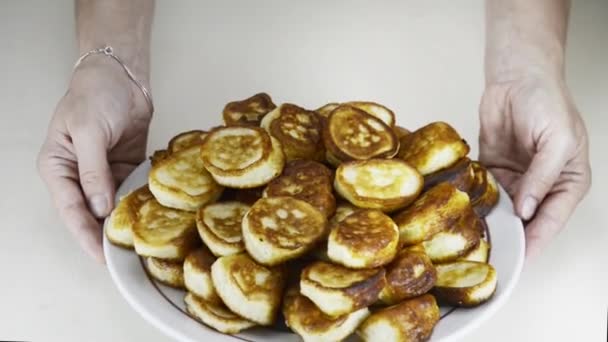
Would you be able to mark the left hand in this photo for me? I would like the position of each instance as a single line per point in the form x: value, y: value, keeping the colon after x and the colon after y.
x: 533, y: 139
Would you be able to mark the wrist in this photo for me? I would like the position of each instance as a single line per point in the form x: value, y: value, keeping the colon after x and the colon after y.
x: 525, y: 60
x: 102, y: 73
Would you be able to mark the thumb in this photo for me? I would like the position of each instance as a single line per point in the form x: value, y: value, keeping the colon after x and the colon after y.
x: 544, y: 170
x: 94, y: 171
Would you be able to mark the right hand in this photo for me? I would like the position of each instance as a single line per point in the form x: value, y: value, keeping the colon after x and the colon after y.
x: 96, y: 137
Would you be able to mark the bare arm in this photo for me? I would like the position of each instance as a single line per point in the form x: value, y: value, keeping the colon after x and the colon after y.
x: 532, y: 136
x: 98, y: 132
x: 125, y: 25
x: 525, y: 36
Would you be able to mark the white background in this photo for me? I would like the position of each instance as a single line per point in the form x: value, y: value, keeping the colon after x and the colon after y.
x: 424, y: 61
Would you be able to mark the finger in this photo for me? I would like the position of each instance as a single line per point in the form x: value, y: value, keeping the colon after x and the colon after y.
x: 544, y: 170
x: 60, y: 178
x: 549, y: 220
x: 94, y: 171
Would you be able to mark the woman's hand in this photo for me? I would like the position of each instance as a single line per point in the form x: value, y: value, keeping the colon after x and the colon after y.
x: 534, y: 141
x: 95, y: 138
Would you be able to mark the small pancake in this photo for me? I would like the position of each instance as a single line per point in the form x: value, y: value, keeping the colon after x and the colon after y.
x: 157, y: 156
x: 166, y: 271
x: 308, y: 181
x: 465, y: 283
x: 433, y: 147
x: 342, y: 211
x: 215, y: 315
x: 331, y: 159
x: 305, y: 318
x: 325, y: 110
x: 219, y: 226
x: 375, y: 109
x: 180, y: 181
x: 352, y: 134
x: 400, y: 132
x: 248, y: 112
x: 484, y: 190
x: 455, y: 241
x: 481, y: 253
x: 337, y: 290
x: 435, y: 210
x: 461, y: 175
x: 242, y: 157
x: 163, y: 232
x: 383, y: 184
x: 410, y: 320
x: 185, y: 140
x: 277, y: 229
x: 247, y: 288
x: 298, y: 130
x: 124, y: 216
x: 197, y: 274
x: 366, y: 238
x: 411, y: 274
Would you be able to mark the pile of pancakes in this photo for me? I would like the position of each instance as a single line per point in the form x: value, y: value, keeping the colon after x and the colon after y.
x: 336, y: 219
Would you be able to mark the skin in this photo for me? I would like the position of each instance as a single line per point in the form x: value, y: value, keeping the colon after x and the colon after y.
x: 98, y: 132
x: 532, y: 136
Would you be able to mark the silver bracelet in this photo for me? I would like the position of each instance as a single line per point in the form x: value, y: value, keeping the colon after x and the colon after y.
x: 108, y: 51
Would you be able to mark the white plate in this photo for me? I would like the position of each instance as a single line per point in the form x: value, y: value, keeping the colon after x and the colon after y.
x: 164, y: 308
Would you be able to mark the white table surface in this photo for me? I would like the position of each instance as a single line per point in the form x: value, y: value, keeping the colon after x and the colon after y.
x: 422, y: 60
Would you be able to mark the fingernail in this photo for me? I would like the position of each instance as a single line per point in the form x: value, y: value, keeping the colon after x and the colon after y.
x: 99, y: 205
x: 528, y: 208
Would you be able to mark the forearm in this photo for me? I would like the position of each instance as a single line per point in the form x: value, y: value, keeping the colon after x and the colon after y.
x: 525, y: 36
x: 124, y: 25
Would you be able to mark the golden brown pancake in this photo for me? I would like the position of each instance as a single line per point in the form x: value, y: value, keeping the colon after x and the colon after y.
x: 352, y: 134
x: 219, y: 226
x: 337, y: 290
x: 157, y: 156
x: 465, y: 283
x: 325, y: 110
x: 277, y: 229
x: 435, y: 210
x: 298, y: 130
x: 215, y: 315
x: 366, y: 238
x: 163, y: 232
x: 197, y: 274
x: 411, y: 274
x: 180, y: 181
x: 383, y: 184
x: 124, y: 216
x: 242, y: 157
x: 343, y: 209
x: 185, y: 140
x: 249, y: 289
x: 410, y: 320
x: 456, y: 240
x: 308, y: 181
x: 481, y: 253
x: 400, y: 132
x: 305, y: 318
x: 168, y: 272
x: 376, y: 110
x: 461, y: 175
x: 433, y: 147
x: 249, y: 111
x: 484, y: 192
